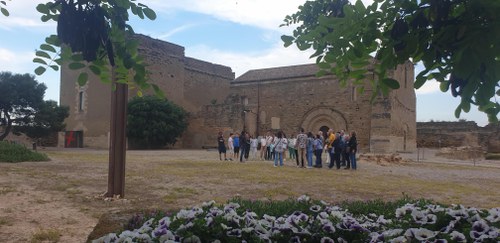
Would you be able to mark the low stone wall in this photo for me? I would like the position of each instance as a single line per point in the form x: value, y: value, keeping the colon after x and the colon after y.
x: 458, y: 134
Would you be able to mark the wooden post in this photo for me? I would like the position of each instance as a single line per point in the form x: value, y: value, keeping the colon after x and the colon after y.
x: 117, y: 148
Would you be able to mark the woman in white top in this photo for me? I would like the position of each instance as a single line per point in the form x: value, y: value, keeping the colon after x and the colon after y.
x: 230, y: 146
x: 263, y: 148
x: 279, y: 147
x: 253, y: 147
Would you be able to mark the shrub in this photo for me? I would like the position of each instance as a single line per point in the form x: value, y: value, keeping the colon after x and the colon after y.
x: 10, y: 152
x: 492, y: 156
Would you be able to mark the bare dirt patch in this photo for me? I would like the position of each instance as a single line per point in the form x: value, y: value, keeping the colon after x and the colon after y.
x: 63, y: 195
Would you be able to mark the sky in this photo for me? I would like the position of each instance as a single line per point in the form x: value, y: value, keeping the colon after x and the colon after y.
x: 241, y: 34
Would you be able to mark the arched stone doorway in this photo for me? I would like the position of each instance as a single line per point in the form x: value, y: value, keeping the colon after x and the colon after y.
x: 320, y: 118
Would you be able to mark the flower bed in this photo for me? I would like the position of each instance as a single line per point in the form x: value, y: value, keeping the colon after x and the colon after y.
x: 304, y: 220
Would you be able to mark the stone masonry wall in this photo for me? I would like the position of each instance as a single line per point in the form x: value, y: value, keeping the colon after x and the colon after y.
x: 307, y: 102
x: 455, y: 134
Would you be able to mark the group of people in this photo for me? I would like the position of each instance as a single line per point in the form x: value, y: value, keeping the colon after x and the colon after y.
x: 340, y: 148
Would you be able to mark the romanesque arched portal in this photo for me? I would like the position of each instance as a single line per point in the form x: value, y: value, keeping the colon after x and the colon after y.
x: 319, y: 117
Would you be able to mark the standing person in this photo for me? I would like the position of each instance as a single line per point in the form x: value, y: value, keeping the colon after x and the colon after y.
x: 236, y: 146
x: 279, y: 144
x: 247, y: 145
x: 329, y: 145
x: 337, y: 151
x: 318, y: 148
x: 243, y: 146
x: 263, y: 147
x: 309, y: 149
x: 353, y: 145
x: 347, y: 151
x: 285, y: 146
x: 269, y: 142
x: 342, y: 147
x: 301, y: 147
x: 253, y: 147
x: 291, y: 147
x: 222, y: 146
x: 230, y: 146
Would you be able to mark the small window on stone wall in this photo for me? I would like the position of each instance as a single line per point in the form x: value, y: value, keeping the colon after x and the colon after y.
x: 80, y: 101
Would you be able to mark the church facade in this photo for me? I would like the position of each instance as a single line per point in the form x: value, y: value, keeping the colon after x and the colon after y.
x: 282, y: 98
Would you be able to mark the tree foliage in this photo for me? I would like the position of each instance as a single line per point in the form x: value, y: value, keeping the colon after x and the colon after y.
x: 23, y: 110
x: 47, y: 120
x: 456, y: 40
x: 94, y: 35
x: 154, y: 122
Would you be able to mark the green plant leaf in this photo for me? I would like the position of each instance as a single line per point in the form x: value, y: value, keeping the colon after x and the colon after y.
x: 4, y: 12
x: 95, y: 69
x: 39, y: 60
x: 82, y: 79
x: 150, y: 14
x: 46, y: 47
x: 288, y: 40
x: 40, y: 70
x: 43, y: 54
x: 391, y: 83
x: 54, y: 67
x: 42, y: 8
x: 76, y: 65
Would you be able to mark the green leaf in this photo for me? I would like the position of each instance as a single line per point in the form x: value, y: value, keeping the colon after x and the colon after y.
x: 288, y: 40
x: 458, y: 111
x: 40, y: 70
x: 95, y: 69
x: 150, y: 14
x: 42, y: 8
x: 82, y: 79
x: 39, y: 60
x: 4, y: 12
x: 53, y: 40
x: 77, y: 57
x: 54, y: 67
x: 43, y: 54
x: 76, y: 65
x: 391, y: 83
x: 324, y: 65
x: 444, y: 86
x: 45, y: 18
x: 139, y: 93
x: 46, y: 47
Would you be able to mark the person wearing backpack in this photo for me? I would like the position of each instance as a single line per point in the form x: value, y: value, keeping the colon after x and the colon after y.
x: 279, y: 147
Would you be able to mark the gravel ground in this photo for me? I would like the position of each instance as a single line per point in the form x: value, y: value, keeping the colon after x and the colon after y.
x: 63, y: 195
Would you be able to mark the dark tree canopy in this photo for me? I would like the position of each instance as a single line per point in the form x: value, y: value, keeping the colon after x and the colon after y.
x: 457, y: 41
x: 154, y: 122
x: 22, y: 107
x: 48, y: 119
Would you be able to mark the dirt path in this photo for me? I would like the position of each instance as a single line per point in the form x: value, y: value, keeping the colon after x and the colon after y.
x: 61, y: 197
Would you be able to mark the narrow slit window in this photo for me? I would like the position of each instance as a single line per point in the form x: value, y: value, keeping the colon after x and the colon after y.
x: 80, y: 101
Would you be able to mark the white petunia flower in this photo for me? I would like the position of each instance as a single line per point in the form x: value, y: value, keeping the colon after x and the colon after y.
x: 423, y: 234
x: 315, y: 208
x: 208, y: 204
x: 304, y: 198
x: 458, y: 237
x: 494, y: 215
x: 400, y: 239
x: 382, y: 220
x: 327, y: 240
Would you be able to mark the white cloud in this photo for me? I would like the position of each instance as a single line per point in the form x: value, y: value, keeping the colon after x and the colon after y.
x: 23, y: 14
x: 275, y: 56
x: 18, y: 62
x: 431, y: 86
x: 175, y: 30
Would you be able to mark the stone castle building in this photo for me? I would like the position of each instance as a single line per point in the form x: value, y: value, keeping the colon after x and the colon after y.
x: 282, y: 98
